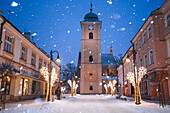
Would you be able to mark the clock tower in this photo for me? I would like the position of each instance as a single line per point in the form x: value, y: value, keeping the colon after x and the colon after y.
x: 91, y: 69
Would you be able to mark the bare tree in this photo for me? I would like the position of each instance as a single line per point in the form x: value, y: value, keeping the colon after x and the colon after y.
x: 68, y: 71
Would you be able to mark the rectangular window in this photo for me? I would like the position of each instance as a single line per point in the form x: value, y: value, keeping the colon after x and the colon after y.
x: 136, y: 46
x: 141, y: 62
x: 151, y: 57
x: 149, y: 33
x: 40, y: 63
x: 8, y: 44
x: 144, y: 38
x: 33, y: 87
x: 44, y: 64
x: 145, y: 61
x: 168, y: 20
x: 33, y: 59
x: 23, y: 53
x: 139, y: 43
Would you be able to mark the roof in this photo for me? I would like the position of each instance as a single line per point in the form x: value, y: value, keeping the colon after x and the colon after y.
x: 91, y: 17
x: 108, y: 59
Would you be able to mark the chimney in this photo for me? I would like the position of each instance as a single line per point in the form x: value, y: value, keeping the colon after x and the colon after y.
x: 1, y: 12
x: 27, y: 35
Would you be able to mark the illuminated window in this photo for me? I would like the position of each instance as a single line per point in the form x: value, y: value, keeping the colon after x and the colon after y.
x: 21, y: 87
x: 25, y: 88
x: 90, y: 35
x: 8, y: 44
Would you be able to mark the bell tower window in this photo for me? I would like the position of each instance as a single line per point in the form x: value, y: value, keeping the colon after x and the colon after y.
x: 90, y: 58
x: 91, y: 88
x: 90, y: 35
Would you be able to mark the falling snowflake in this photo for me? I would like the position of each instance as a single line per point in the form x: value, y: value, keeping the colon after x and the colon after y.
x: 99, y: 13
x: 54, y: 45
x: 133, y: 5
x: 130, y: 22
x: 72, y: 61
x: 68, y: 31
x: 143, y: 19
x: 122, y: 29
x: 152, y: 22
x: 34, y: 34
x: 116, y: 16
x: 14, y: 4
x: 109, y: 2
x: 112, y: 26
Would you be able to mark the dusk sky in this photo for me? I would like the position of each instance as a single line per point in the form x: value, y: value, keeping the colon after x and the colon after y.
x: 57, y: 22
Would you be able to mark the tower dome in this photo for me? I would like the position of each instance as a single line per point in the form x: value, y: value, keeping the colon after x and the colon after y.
x: 91, y: 16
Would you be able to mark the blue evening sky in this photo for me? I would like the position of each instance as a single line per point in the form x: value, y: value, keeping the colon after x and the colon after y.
x: 57, y: 22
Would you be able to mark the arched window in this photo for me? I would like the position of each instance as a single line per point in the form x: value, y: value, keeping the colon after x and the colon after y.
x: 90, y: 35
x: 90, y: 58
x: 91, y: 88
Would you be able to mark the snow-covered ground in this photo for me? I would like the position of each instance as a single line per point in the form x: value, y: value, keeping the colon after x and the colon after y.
x: 84, y: 104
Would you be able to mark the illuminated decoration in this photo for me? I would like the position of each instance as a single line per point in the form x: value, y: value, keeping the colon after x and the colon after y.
x: 73, y: 86
x: 131, y: 78
x: 112, y: 86
x: 142, y: 71
x: 76, y: 89
x: 106, y: 88
x: 54, y: 76
x: 135, y: 80
x: 45, y: 73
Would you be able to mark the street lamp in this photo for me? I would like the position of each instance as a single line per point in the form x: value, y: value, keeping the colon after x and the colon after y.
x: 51, y: 59
x: 137, y: 101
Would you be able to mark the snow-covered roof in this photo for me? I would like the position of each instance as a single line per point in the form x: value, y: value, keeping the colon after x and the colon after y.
x: 108, y: 59
x: 109, y: 78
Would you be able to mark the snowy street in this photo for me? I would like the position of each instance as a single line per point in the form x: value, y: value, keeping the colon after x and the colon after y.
x: 84, y: 104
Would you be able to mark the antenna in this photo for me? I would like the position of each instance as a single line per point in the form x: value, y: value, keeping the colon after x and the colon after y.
x: 91, y: 7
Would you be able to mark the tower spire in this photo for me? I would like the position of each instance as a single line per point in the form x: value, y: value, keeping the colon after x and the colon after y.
x: 91, y: 7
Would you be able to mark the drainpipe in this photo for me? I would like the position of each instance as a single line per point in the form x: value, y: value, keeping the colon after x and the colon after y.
x: 2, y: 24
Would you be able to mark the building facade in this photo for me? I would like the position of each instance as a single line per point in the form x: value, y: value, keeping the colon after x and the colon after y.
x: 18, y: 51
x: 151, y: 45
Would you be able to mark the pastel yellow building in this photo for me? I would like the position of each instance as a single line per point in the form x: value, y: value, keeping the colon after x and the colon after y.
x: 18, y: 51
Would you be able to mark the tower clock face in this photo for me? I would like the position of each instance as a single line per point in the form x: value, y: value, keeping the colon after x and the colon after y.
x: 91, y: 27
